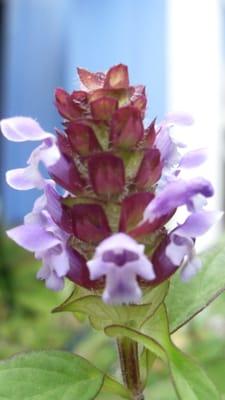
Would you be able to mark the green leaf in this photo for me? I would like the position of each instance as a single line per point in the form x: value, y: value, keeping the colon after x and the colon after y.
x: 102, y: 315
x: 111, y: 386
x: 189, y: 380
x: 185, y: 300
x: 52, y: 375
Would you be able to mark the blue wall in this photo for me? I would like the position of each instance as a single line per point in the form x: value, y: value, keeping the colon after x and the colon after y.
x: 46, y: 39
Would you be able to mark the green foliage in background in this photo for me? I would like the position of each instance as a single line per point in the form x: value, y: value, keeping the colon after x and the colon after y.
x: 26, y: 324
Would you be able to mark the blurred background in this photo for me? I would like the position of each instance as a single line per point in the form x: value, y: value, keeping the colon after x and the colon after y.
x: 174, y: 47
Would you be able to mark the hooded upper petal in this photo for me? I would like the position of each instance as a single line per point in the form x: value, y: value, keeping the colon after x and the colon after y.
x: 198, y: 223
x: 176, y: 193
x: 25, y: 178
x: 21, y: 129
x: 179, y: 118
x: 30, y: 177
x: 193, y: 158
x: 33, y: 237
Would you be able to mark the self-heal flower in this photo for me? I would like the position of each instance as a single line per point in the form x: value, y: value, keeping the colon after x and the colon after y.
x: 120, y: 182
x: 178, y: 193
x: 21, y: 129
x: 182, y: 240
x: 121, y: 260
x: 42, y: 236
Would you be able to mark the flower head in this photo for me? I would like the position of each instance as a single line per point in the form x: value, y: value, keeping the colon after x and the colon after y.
x: 122, y: 183
x: 121, y: 260
x: 42, y: 236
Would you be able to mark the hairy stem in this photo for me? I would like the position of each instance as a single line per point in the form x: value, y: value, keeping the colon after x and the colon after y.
x: 129, y: 364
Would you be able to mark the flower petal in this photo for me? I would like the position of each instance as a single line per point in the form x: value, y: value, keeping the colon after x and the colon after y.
x: 59, y: 262
x: 21, y: 129
x: 178, y: 248
x: 179, y: 118
x: 175, y: 194
x: 190, y: 269
x: 198, y: 223
x: 119, y: 240
x: 53, y: 282
x: 121, y: 289
x: 168, y: 149
x: 33, y: 237
x: 25, y: 178
x: 162, y: 264
x: 121, y: 260
x: 43, y: 273
x: 47, y: 152
x: 60, y: 213
x: 193, y: 158
x: 30, y: 177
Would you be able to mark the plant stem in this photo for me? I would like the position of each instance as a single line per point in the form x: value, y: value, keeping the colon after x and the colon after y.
x: 129, y: 364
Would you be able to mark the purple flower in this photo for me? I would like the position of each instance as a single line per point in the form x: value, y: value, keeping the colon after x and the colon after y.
x: 178, y: 193
x: 165, y: 143
x: 182, y: 239
x: 20, y: 129
x: 120, y: 259
x: 42, y: 236
x: 123, y: 183
x: 193, y: 159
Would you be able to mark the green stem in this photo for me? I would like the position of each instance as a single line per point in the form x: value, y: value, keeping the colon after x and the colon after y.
x: 129, y: 364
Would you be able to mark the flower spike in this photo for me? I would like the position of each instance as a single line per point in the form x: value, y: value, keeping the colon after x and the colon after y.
x: 120, y: 183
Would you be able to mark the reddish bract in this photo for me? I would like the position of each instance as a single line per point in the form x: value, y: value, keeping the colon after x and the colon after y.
x: 82, y: 138
x: 106, y: 173
x: 117, y: 77
x: 126, y: 127
x: 66, y: 106
x: 150, y: 169
x: 90, y: 222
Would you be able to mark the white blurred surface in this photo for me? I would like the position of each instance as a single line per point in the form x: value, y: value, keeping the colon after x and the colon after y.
x: 195, y: 84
